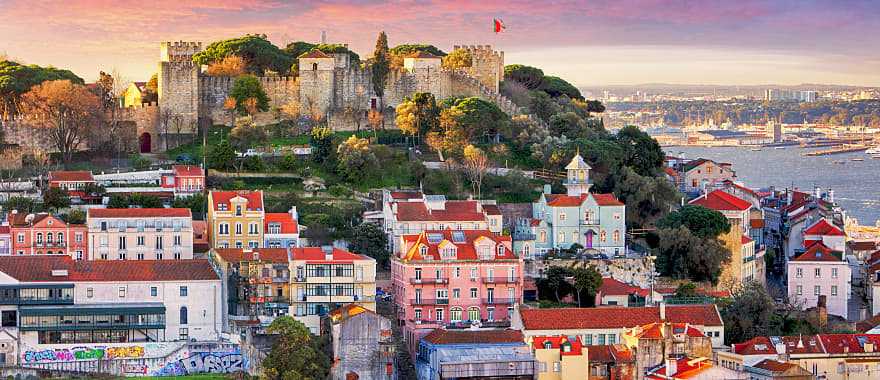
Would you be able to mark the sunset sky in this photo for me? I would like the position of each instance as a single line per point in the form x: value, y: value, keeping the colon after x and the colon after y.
x: 586, y: 42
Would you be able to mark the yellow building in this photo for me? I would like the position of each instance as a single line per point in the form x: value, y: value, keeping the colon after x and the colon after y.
x: 323, y: 279
x: 235, y: 219
x: 560, y: 358
x: 134, y: 94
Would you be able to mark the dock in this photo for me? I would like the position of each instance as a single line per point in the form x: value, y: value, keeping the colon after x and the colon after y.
x: 838, y: 150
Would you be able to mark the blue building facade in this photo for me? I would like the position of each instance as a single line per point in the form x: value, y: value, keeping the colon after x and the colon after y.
x: 596, y: 222
x: 490, y: 354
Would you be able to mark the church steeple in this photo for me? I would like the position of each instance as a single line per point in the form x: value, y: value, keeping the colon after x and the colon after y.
x: 578, y: 179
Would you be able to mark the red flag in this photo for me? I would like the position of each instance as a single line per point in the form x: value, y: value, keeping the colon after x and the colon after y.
x: 499, y: 25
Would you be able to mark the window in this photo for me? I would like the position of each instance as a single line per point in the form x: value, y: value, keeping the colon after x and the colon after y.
x: 817, y: 290
x: 456, y: 293
x: 238, y: 210
x: 154, y: 291
x: 418, y: 273
x: 122, y: 255
x: 601, y: 339
x: 159, y: 255
x: 140, y: 241
x: 176, y: 255
x: 474, y: 273
x: 833, y: 290
x: 184, y: 291
x: 423, y: 250
x: 556, y: 367
x: 833, y: 272
x: 9, y: 318
x: 79, y: 255
x: 561, y: 237
x: 122, y: 242
x: 442, y: 294
x: 60, y: 238
x: 439, y: 314
x: 473, y: 314
x: 799, y: 290
x: 121, y: 292
x: 455, y: 314
x: 224, y: 229
x: 818, y: 272
x: 274, y: 228
x: 561, y: 216
x: 184, y: 318
x: 78, y: 237
x: 616, y: 236
x: 799, y: 272
x: 21, y: 238
x: 184, y: 333
x: 253, y: 229
x: 490, y: 313
x: 457, y: 272
x: 603, y: 236
x: 39, y: 238
x: 473, y: 292
x: 160, y: 242
x: 238, y: 228
x: 418, y: 314
x: 90, y: 293
x: 253, y: 244
x: 543, y: 237
x: 177, y: 240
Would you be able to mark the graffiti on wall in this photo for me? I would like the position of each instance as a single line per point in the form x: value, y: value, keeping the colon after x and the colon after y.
x: 205, y: 362
x: 82, y: 353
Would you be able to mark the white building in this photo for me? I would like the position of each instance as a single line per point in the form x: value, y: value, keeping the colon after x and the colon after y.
x: 50, y: 300
x: 140, y: 234
x: 820, y: 271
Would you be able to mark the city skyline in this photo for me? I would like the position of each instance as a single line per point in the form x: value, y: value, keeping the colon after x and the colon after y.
x: 588, y: 43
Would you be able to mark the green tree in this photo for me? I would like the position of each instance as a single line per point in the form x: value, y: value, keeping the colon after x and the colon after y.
x: 556, y: 87
x: 196, y: 203
x: 417, y: 115
x: 685, y: 255
x: 587, y: 282
x: 528, y: 76
x: 702, y: 222
x: 642, y: 152
x: 75, y: 217
x: 298, y: 48
x: 647, y: 199
x: 380, y: 66
x: 355, y: 159
x: 17, y: 79
x: 118, y: 201
x: 369, y: 239
x: 145, y: 201
x: 222, y: 156
x: 55, y: 198
x: 22, y: 204
x: 686, y: 290
x: 555, y: 283
x: 543, y: 106
x: 261, y: 56
x: 296, y: 354
x: 399, y: 52
x: 569, y: 124
x: 248, y: 87
x: 321, y: 141
x: 478, y: 117
x: 749, y: 314
x: 248, y: 135
x: 458, y: 59
x: 138, y: 162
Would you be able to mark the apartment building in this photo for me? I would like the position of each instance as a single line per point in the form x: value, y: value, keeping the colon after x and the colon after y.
x: 745, y: 262
x: 46, y: 234
x: 235, y: 219
x: 325, y: 278
x: 140, y: 234
x: 818, y: 273
x: 281, y: 229
x: 257, y: 280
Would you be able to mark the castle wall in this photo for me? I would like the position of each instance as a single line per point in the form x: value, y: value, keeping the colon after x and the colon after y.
x: 146, y: 120
x: 487, y: 65
x: 178, y: 82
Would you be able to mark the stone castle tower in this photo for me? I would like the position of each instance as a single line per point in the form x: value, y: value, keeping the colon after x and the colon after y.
x: 178, y: 79
x: 487, y: 65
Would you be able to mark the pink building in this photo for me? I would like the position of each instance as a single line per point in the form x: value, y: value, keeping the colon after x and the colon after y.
x: 454, y: 278
x: 44, y: 234
x: 185, y: 180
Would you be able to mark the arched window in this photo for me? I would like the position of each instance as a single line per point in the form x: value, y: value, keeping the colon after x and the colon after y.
x: 602, y: 236
x: 474, y: 313
x: 548, y: 345
x: 616, y: 235
x: 314, y: 66
x: 543, y: 236
x: 49, y: 238
x: 39, y: 238
x: 61, y: 238
x: 183, y: 315
x: 455, y: 314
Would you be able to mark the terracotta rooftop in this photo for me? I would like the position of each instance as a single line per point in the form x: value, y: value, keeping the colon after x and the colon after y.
x: 464, y: 242
x: 441, y: 336
x: 40, y: 269
x: 609, y: 353
x: 617, y: 317
x: 188, y: 171
x: 819, y: 252
x: 317, y: 254
x: 140, y: 213
x: 823, y: 228
x: 284, y: 219
x: 774, y: 366
x: 234, y: 255
x: 454, y: 211
x: 612, y: 287
x: 721, y: 201
x: 314, y: 53
x: 685, y: 368
x: 254, y: 199
x: 564, y: 200
x: 71, y: 176
x: 557, y: 342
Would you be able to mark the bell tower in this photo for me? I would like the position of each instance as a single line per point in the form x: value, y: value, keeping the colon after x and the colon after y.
x: 578, y: 176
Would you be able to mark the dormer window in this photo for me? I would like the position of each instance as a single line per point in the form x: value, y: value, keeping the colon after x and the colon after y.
x: 500, y: 250
x: 238, y: 210
x: 548, y: 345
x: 423, y: 250
x: 448, y: 253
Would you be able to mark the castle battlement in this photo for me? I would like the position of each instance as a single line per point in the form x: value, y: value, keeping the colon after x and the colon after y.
x: 178, y: 51
x: 480, y: 51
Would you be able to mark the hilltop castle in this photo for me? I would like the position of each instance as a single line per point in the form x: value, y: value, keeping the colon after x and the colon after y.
x: 328, y: 85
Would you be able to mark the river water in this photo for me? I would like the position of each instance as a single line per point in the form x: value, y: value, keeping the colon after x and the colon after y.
x: 856, y: 184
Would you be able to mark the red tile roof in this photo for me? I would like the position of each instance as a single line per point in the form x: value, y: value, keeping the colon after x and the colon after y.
x: 616, y: 353
x: 421, y: 54
x: 612, y: 287
x: 441, y: 336
x: 805, y: 344
x: 406, y: 195
x: 819, y: 252
x: 848, y: 343
x: 823, y: 228
x: 21, y: 219
x: 492, y: 209
x: 563, y: 200
x: 4, y: 229
x: 606, y: 200
x: 720, y: 200
x: 234, y: 255
x: 254, y: 198
x: 741, y: 188
x: 317, y: 254
x: 617, y: 317
x: 140, y: 213
x: 39, y: 269
x: 71, y: 176
x: 465, y: 211
x: 188, y: 171
x: 465, y: 250
x: 657, y: 330
x: 556, y: 342
x: 746, y: 239
x: 685, y: 368
x: 314, y: 53
x: 670, y: 171
x: 774, y: 366
x: 288, y: 224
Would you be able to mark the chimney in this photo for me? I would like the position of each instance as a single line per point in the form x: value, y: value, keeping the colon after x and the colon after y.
x: 293, y: 213
x: 662, y: 308
x: 671, y: 367
x: 328, y: 252
x: 548, y: 189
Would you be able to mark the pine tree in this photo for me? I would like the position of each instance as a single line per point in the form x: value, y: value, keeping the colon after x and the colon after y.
x: 380, y: 65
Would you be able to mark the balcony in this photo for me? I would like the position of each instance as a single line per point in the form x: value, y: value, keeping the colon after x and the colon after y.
x: 280, y: 280
x: 428, y: 281
x: 499, y: 301
x: 590, y: 222
x: 429, y: 301
x: 500, y: 280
